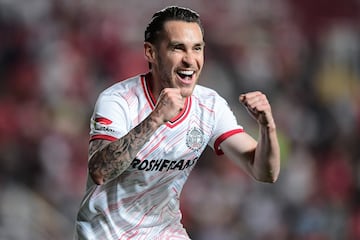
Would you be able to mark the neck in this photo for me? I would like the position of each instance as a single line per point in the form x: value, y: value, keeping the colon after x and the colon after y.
x: 153, y: 84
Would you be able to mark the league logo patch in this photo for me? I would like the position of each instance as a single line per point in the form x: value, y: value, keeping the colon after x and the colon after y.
x: 101, y: 124
x: 103, y: 120
x: 195, y: 138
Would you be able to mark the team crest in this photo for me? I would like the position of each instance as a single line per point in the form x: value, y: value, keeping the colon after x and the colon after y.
x: 195, y: 138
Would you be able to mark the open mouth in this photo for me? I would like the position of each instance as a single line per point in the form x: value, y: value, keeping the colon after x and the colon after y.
x: 185, y: 75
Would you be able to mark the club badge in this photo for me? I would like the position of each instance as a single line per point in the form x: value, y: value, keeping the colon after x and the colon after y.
x: 194, y: 138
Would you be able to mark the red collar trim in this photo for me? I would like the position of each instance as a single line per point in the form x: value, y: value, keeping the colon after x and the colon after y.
x: 182, y: 115
x: 146, y: 84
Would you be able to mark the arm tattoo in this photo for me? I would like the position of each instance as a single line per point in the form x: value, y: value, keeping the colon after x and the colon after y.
x: 110, y: 159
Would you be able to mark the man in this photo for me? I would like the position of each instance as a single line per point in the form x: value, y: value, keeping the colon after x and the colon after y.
x: 148, y: 132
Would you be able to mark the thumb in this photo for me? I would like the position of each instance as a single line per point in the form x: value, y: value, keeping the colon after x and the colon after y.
x: 242, y: 98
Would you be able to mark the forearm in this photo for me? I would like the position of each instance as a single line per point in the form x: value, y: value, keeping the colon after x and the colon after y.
x: 115, y: 157
x: 266, y: 165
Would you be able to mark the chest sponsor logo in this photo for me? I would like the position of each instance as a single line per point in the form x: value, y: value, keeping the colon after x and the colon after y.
x: 195, y: 138
x: 162, y: 164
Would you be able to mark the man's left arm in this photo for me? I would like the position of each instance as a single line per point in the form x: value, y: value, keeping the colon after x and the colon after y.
x: 261, y: 158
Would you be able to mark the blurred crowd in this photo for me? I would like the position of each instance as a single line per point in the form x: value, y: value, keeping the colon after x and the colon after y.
x: 57, y: 55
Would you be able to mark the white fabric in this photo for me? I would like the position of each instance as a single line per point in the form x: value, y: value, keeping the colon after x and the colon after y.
x: 143, y: 202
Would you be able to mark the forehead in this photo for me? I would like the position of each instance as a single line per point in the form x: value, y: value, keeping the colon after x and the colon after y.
x: 182, y: 31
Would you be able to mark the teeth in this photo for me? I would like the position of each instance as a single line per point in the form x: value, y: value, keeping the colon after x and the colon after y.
x: 188, y: 73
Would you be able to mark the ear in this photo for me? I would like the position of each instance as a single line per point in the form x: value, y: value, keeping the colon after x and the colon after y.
x: 149, y: 51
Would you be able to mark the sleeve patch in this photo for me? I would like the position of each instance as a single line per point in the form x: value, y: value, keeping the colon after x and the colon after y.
x: 103, y: 120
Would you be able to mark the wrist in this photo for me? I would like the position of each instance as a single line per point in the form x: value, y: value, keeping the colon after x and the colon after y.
x: 270, y: 127
x: 155, y: 120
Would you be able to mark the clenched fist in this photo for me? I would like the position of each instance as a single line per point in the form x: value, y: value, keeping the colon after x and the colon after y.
x: 258, y: 107
x: 169, y: 104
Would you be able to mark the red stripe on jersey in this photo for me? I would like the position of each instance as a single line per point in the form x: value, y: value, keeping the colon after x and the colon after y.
x: 145, y: 82
x: 103, y: 137
x: 136, y: 226
x: 222, y: 137
x: 103, y: 120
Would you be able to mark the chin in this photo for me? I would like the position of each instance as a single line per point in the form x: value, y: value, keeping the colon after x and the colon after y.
x: 186, y: 92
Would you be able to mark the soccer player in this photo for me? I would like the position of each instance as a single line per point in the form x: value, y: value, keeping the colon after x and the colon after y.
x: 148, y: 132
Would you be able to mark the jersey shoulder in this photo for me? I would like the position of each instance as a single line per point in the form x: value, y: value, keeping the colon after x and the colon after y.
x: 205, y: 95
x: 123, y: 86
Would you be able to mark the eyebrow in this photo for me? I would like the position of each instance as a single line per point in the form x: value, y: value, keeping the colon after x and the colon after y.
x: 176, y: 43
x: 202, y: 44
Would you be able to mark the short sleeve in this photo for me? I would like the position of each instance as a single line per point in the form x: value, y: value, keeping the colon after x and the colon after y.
x: 226, y: 125
x: 109, y: 121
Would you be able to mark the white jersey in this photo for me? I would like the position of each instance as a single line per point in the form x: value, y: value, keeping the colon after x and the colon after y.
x: 143, y: 202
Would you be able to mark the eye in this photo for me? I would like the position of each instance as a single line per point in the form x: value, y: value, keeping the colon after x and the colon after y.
x: 198, y: 48
x: 177, y: 47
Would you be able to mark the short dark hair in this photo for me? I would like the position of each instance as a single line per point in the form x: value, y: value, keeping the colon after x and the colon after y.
x: 167, y: 14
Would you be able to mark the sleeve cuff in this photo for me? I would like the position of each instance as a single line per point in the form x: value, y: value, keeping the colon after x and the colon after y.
x: 102, y: 137
x: 222, y: 137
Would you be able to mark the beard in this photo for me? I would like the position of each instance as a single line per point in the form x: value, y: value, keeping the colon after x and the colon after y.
x: 168, y: 79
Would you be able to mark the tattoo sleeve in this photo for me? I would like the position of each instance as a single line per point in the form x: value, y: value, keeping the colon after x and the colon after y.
x: 108, y: 160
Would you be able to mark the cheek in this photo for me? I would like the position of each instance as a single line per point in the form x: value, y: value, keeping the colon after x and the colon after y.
x: 167, y: 62
x: 201, y: 61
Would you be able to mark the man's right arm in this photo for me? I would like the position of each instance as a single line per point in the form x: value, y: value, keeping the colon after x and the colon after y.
x: 108, y: 160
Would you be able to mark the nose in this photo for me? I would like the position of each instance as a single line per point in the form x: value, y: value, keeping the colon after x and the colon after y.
x: 189, y: 59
